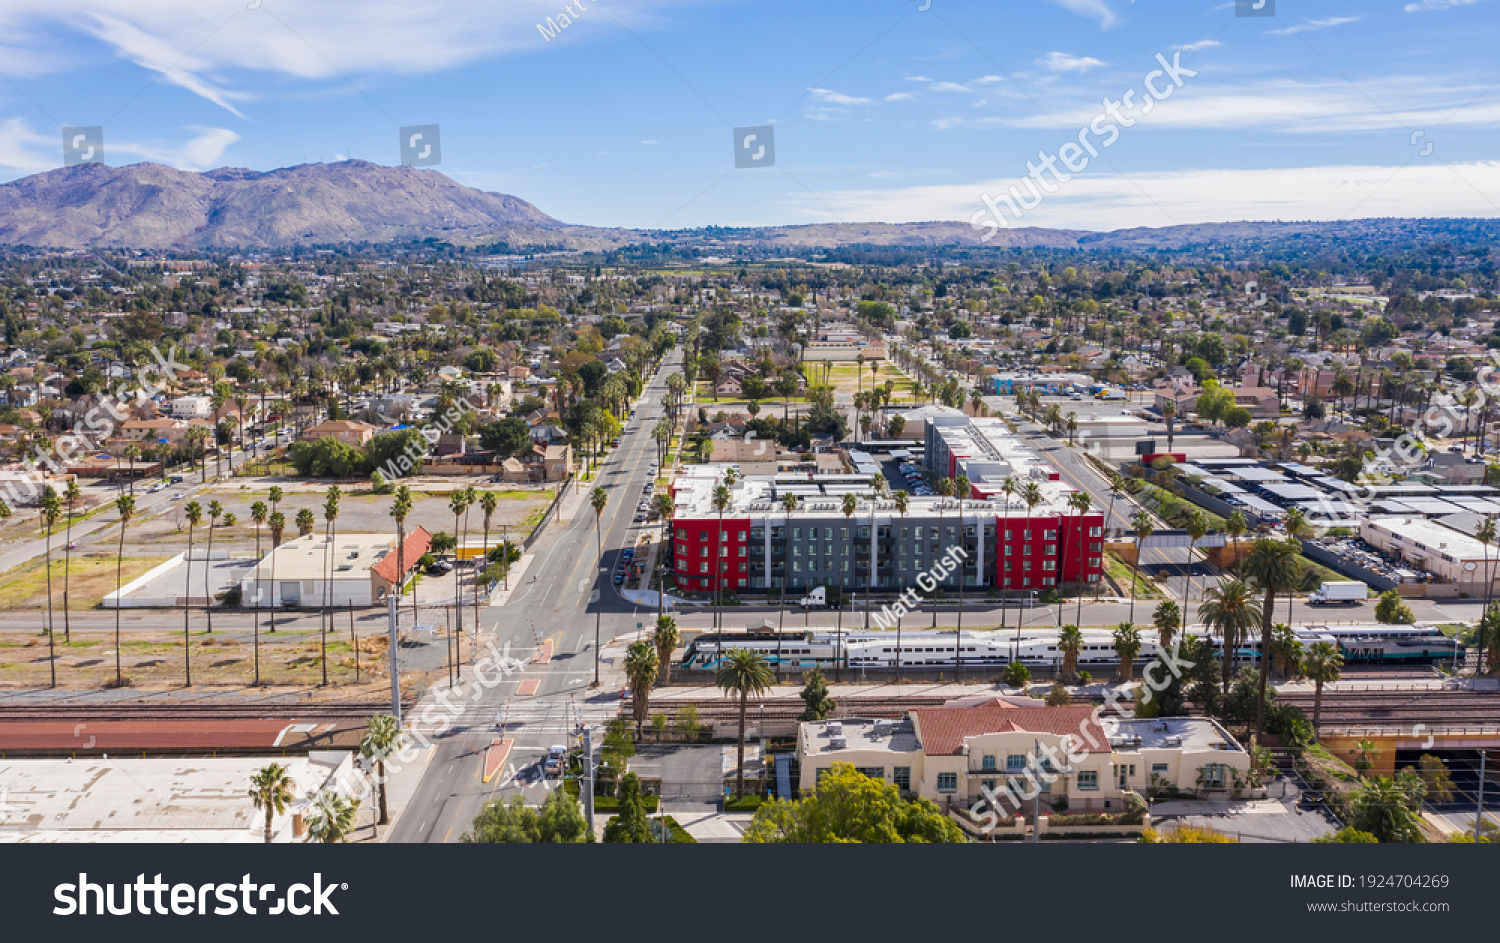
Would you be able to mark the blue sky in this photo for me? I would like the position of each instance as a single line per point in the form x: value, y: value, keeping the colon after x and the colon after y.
x: 883, y: 111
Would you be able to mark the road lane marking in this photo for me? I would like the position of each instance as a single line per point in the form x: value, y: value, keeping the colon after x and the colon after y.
x: 495, y: 756
x: 528, y: 687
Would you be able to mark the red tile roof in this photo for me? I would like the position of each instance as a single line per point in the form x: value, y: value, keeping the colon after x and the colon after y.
x: 943, y: 729
x: 417, y: 543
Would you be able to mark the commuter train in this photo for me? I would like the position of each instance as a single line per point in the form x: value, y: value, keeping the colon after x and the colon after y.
x: 1037, y: 647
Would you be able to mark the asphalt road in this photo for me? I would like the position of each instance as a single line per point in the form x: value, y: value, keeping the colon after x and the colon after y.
x: 571, y: 590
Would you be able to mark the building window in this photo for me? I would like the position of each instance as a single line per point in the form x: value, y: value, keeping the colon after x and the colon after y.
x: 988, y: 762
x: 742, y: 537
x: 1025, y: 550
x: 947, y: 782
x: 1015, y: 761
x: 901, y: 777
x: 703, y: 568
x: 874, y: 772
x: 1049, y: 564
x: 1158, y: 769
x: 1088, y: 779
x: 1049, y: 535
x: 1096, y: 532
x: 757, y: 533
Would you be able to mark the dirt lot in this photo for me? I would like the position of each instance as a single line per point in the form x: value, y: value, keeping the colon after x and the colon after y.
x: 153, y: 661
x: 91, y: 576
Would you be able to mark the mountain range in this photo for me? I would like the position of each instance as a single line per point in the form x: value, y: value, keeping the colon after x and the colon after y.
x: 152, y: 206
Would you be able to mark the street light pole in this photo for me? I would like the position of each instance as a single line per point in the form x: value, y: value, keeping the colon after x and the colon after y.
x: 1479, y: 815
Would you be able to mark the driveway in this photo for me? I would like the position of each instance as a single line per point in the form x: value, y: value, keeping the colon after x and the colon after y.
x: 1276, y: 819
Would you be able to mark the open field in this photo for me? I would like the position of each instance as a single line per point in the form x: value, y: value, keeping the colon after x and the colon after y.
x: 91, y: 577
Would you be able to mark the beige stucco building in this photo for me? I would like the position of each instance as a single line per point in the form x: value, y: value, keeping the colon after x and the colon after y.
x: 951, y: 754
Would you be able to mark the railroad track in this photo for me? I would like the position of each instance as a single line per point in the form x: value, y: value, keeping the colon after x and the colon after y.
x: 188, y: 711
x: 1432, y: 707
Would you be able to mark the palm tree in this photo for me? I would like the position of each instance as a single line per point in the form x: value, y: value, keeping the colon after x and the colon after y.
x: 880, y: 494
x: 788, y: 504
x: 1273, y: 565
x: 331, y: 818
x: 330, y: 517
x: 1234, y: 527
x: 903, y: 504
x: 665, y: 639
x: 1080, y: 503
x: 1229, y: 612
x: 400, y: 507
x: 1286, y: 650
x: 488, y: 502
x: 306, y: 522
x: 1169, y: 413
x: 132, y: 452
x: 722, y: 499
x: 51, y: 508
x: 944, y: 490
x: 258, y: 517
x: 1167, y: 618
x: 847, y: 506
x: 664, y: 507
x: 1321, y: 665
x: 1144, y: 527
x: 1127, y: 646
x: 1485, y: 534
x: 194, y: 514
x: 382, y: 738
x: 1196, y: 527
x: 271, y: 791
x: 215, y: 511
x: 598, y: 499
x: 458, y: 503
x: 125, y: 504
x: 72, y: 494
x: 962, y: 489
x: 641, y: 666
x: 1070, y: 643
x: 743, y: 672
x: 1296, y: 529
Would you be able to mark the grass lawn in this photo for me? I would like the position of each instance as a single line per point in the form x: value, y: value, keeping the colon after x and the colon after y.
x: 1121, y: 573
x: 90, y: 579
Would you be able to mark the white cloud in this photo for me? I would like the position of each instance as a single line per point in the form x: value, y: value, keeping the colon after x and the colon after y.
x: 918, y: 78
x: 1201, y: 44
x: 1062, y: 62
x: 24, y: 151
x: 987, y: 80
x: 901, y: 97
x: 1315, y: 24
x: 836, y: 98
x: 1437, y: 5
x: 1093, y: 9
x: 981, y: 103
x: 943, y: 124
x: 949, y: 87
x: 197, y: 153
x: 1106, y: 201
x: 206, y: 149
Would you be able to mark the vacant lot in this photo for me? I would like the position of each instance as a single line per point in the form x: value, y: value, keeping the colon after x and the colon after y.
x: 91, y: 576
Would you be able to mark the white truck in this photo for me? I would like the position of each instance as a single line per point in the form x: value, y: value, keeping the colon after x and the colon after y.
x: 1114, y: 394
x: 1350, y: 592
x: 818, y: 597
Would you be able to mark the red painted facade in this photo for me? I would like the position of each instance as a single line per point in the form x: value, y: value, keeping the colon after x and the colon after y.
x: 695, y: 551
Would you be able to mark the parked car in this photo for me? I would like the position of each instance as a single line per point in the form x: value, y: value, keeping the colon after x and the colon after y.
x: 552, y: 766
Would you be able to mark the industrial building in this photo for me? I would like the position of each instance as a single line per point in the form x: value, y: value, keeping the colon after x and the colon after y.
x: 357, y: 570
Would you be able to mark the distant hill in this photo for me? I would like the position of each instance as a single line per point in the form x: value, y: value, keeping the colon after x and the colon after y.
x: 150, y: 206
x: 153, y: 206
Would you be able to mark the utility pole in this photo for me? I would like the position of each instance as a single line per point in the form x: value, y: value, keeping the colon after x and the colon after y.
x: 1479, y: 815
x: 1036, y: 800
x: 390, y: 614
x: 588, y: 776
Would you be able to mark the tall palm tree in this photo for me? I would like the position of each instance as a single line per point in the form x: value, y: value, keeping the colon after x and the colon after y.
x: 1169, y: 413
x: 880, y: 494
x: 132, y: 452
x: 1167, y: 618
x: 271, y: 792
x: 641, y: 666
x: 1485, y: 534
x: 72, y: 494
x: 277, y: 524
x: 125, y: 504
x: 51, y: 508
x: 1321, y: 665
x: 598, y: 499
x: 382, y: 738
x: 1144, y: 527
x: 458, y: 503
x: 1116, y: 488
x: 257, y: 517
x: 788, y: 504
x: 400, y: 507
x: 961, y: 489
x: 1229, y: 612
x: 330, y: 517
x: 215, y: 511
x: 1127, y: 644
x: 903, y: 504
x: 1234, y: 528
x: 1070, y: 643
x: 1080, y: 503
x: 331, y: 817
x: 847, y: 506
x: 1274, y: 567
x: 722, y: 498
x: 665, y: 638
x: 194, y: 514
x: 306, y: 522
x: 488, y: 502
x: 1196, y: 527
x: 1296, y: 529
x: 743, y: 673
x: 664, y: 507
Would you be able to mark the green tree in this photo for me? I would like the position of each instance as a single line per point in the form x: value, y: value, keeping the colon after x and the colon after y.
x: 125, y: 504
x: 1017, y: 674
x: 598, y: 500
x: 1274, y: 567
x: 326, y: 458
x: 1167, y: 618
x: 1229, y: 613
x: 1070, y: 644
x: 396, y: 454
x: 1392, y: 610
x: 1144, y: 527
x: 194, y: 514
x: 817, y: 705
x: 742, y: 673
x: 51, y: 508
x: 1127, y: 645
x: 332, y: 817
x: 506, y: 437
x: 382, y: 738
x: 1321, y: 665
x: 72, y: 495
x: 1384, y: 810
x: 1347, y: 836
x: 271, y: 792
x: 1365, y: 755
x: 665, y: 638
x: 631, y: 825
x: 641, y: 665
x: 848, y: 806
x: 1434, y: 774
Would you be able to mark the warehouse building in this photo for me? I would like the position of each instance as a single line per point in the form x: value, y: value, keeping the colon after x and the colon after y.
x: 356, y: 570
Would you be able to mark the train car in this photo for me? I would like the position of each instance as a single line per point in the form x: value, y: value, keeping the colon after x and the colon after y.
x: 791, y: 649
x: 1386, y: 644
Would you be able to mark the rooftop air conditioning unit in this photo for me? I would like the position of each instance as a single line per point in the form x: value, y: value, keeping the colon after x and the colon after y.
x: 837, y: 743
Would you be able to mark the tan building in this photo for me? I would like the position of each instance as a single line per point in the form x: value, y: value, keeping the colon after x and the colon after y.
x: 950, y: 754
x: 357, y: 570
x: 150, y: 430
x: 347, y: 431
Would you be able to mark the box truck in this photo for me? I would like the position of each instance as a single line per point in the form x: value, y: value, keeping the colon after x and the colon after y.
x: 1349, y: 592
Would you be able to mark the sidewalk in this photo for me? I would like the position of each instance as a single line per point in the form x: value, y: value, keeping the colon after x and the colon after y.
x: 400, y: 786
x: 499, y: 597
